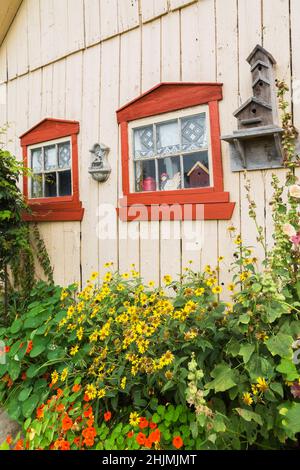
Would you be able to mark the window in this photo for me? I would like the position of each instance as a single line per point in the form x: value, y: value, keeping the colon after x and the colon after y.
x: 171, y: 151
x: 50, y: 151
x: 171, y: 154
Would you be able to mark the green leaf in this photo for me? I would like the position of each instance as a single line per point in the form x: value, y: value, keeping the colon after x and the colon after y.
x: 280, y: 345
x: 16, y: 326
x: 246, y: 351
x: 14, y: 369
x: 224, y: 378
x: 37, y: 350
x: 29, y: 405
x: 24, y: 394
x: 277, y: 388
x: 248, y: 415
x: 35, y: 369
x: 288, y: 368
x: 292, y: 418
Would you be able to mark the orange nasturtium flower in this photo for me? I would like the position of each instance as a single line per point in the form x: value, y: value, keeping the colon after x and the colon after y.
x: 130, y: 434
x: 140, y: 438
x: 143, y: 423
x: 154, y: 436
x: 76, y: 388
x: 177, y: 442
x: 9, y: 439
x: 67, y: 423
x: 40, y: 412
x: 107, y: 416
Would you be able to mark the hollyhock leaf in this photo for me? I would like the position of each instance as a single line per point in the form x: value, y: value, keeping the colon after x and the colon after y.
x: 248, y: 415
x: 224, y: 378
x: 288, y: 368
x: 246, y: 351
x: 280, y: 345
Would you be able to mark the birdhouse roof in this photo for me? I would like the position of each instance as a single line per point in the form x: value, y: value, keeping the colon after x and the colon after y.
x: 198, y: 165
x: 248, y: 102
x: 261, y: 79
x: 263, y: 51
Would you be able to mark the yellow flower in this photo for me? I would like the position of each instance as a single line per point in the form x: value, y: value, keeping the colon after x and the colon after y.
x: 64, y: 374
x: 167, y: 279
x: 91, y: 391
x: 262, y: 335
x: 94, y: 275
x: 238, y: 240
x: 247, y: 399
x: 74, y: 350
x: 134, y: 418
x: 199, y: 291
x: 123, y: 383
x: 254, y: 389
x: 151, y: 283
x: 63, y: 295
x: 220, y: 259
x: 54, y: 377
x: 244, y: 276
x: 101, y: 393
x: 94, y: 336
x: 210, y: 282
x: 168, y: 375
x: 217, y: 290
x: 231, y: 228
x: 79, y: 333
x: 231, y: 287
x: 261, y: 384
x: 107, y: 265
x: 108, y: 277
x: 125, y: 275
x: 207, y: 269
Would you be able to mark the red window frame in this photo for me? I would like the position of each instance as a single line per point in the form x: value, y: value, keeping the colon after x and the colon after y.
x: 64, y: 208
x: 164, y: 98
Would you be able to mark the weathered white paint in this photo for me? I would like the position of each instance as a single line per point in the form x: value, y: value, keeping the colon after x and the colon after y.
x: 82, y: 59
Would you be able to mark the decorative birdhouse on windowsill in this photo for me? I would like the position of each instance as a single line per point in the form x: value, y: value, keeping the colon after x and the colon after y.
x: 257, y: 142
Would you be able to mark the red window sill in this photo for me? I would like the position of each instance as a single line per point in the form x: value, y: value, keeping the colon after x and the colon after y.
x: 47, y: 210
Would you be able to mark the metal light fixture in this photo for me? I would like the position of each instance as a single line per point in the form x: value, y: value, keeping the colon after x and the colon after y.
x: 100, y: 169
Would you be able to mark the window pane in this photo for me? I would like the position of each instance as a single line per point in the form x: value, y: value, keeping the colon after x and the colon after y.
x: 50, y: 157
x: 64, y: 181
x: 37, y: 186
x: 167, y: 137
x: 64, y: 155
x: 36, y: 160
x: 169, y: 173
x: 145, y: 178
x: 50, y: 185
x: 193, y: 132
x: 143, y: 142
x: 196, y: 170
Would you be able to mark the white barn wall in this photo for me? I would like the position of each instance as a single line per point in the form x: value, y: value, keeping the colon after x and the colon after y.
x: 82, y: 62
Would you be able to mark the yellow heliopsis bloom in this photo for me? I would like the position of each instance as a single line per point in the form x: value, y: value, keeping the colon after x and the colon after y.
x: 63, y: 295
x: 167, y: 279
x: 217, y: 290
x: 231, y: 287
x: 54, y: 377
x: 254, y: 389
x: 244, y: 276
x: 94, y: 275
x: 108, y: 277
x: 74, y: 350
x: 199, y: 291
x: 221, y: 258
x: 151, y: 284
x: 247, y: 399
x: 134, y: 418
x: 261, y: 384
x: 101, y: 393
x: 238, y: 240
x: 64, y: 374
x: 125, y: 275
x: 123, y: 383
x: 79, y: 333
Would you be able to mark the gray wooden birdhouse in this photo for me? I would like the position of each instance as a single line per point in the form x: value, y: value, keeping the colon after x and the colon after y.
x: 257, y: 142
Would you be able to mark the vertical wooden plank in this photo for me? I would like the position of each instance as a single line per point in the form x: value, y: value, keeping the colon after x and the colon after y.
x: 250, y: 34
x: 47, y: 25
x: 171, y: 47
x: 75, y: 25
x: 149, y: 231
x: 128, y: 14
x: 34, y: 34
x: 60, y: 28
x: 108, y: 18
x: 3, y: 120
x: 71, y: 231
x: 152, y: 9
x: 47, y: 84
x: 74, y: 96
x: 59, y: 87
x: 108, y: 192
x: 227, y: 73
x: 198, y: 42
x: 129, y: 246
x: 92, y: 21
x: 35, y: 98
x: 89, y: 136
x: 175, y: 4
x: 276, y: 24
x: 170, y: 232
x: 3, y: 62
